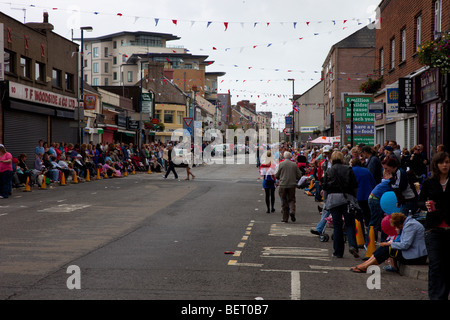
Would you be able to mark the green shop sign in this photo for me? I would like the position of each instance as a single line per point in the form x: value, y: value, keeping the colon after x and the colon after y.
x: 361, y: 118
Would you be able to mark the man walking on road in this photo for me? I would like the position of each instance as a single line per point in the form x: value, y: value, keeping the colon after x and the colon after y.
x: 170, y: 164
x: 288, y: 174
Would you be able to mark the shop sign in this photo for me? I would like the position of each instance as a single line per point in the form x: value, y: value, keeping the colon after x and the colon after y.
x: 132, y: 124
x: 35, y: 95
x: 392, y: 102
x: 90, y: 101
x: 363, y: 120
x: 405, y: 96
x: 429, y: 86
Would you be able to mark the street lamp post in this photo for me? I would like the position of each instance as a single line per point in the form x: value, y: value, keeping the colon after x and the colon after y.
x: 88, y: 29
x: 293, y: 111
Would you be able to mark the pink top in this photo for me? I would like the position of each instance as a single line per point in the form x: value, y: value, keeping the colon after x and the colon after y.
x: 6, y: 166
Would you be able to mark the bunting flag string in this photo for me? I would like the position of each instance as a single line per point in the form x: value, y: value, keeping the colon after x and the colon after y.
x: 207, y: 23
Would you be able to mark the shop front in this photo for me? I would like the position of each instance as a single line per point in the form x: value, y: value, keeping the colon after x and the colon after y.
x: 31, y: 114
x: 430, y: 111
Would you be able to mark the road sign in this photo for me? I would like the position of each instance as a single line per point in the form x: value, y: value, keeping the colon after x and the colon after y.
x: 188, y: 125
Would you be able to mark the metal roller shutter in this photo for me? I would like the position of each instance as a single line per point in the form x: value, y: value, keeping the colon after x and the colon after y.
x: 62, y: 132
x: 22, y: 131
x: 390, y: 132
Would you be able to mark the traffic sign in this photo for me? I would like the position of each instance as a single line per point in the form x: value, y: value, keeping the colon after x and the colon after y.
x: 188, y: 125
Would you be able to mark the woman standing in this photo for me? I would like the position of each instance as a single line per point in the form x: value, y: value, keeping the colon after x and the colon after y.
x: 6, y: 172
x: 339, y: 188
x: 435, y: 198
x: 267, y: 170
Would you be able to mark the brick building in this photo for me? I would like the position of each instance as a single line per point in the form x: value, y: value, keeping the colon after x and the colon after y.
x: 404, y: 27
x: 347, y: 65
x: 39, y: 86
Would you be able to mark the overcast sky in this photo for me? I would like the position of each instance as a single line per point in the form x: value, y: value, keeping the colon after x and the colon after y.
x: 258, y: 43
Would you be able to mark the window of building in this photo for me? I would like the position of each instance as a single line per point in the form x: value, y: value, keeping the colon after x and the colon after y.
x: 114, y: 75
x: 106, y: 81
x: 57, y: 78
x: 168, y: 116
x: 403, y: 45
x: 393, y: 53
x: 114, y: 44
x: 106, y: 67
x: 10, y: 61
x: 114, y: 60
x: 96, y: 54
x: 95, y: 66
x: 70, y: 85
x: 106, y: 52
x: 158, y: 114
x: 39, y: 72
x: 85, y: 63
x: 180, y: 117
x: 418, y: 31
x: 25, y: 67
x: 437, y: 18
x: 130, y: 76
x: 96, y: 81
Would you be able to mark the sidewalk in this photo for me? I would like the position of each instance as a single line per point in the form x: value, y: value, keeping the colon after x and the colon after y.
x: 415, y: 272
x: 419, y: 272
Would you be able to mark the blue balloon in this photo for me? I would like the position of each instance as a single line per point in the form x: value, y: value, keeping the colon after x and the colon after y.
x: 388, y: 202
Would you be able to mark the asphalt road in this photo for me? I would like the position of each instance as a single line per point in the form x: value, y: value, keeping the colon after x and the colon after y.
x: 142, y: 237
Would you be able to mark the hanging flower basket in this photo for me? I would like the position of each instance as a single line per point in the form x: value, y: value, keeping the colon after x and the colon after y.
x: 371, y: 86
x: 436, y: 53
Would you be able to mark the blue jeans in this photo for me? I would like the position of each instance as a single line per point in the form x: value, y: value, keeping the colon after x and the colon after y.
x: 338, y: 233
x: 376, y: 216
x: 322, y: 223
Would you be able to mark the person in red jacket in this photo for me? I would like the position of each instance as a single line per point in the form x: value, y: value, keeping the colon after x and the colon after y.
x: 323, y: 166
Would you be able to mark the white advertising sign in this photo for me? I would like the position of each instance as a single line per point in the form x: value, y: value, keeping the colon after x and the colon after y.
x: 31, y: 94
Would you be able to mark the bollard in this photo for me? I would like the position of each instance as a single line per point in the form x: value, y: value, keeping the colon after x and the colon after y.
x: 63, y: 180
x: 359, y: 235
x: 371, y: 244
x: 27, y: 186
x: 75, y: 179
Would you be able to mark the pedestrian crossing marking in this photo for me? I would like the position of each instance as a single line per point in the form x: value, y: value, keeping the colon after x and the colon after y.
x: 296, y: 253
x: 283, y: 230
x: 65, y: 208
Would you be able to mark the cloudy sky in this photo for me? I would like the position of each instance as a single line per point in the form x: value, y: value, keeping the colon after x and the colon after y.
x: 258, y: 43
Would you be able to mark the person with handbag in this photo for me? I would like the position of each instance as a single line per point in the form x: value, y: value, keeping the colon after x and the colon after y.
x: 340, y: 188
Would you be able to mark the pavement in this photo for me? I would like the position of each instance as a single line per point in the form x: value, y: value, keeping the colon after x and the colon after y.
x: 418, y: 272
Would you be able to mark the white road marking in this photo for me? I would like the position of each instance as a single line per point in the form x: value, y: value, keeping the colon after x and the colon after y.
x: 296, y: 253
x: 329, y: 268
x: 295, y: 285
x: 295, y: 281
x: 65, y: 208
x: 283, y: 230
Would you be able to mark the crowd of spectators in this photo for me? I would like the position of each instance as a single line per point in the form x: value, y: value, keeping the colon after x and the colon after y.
x: 55, y: 161
x: 416, y: 230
